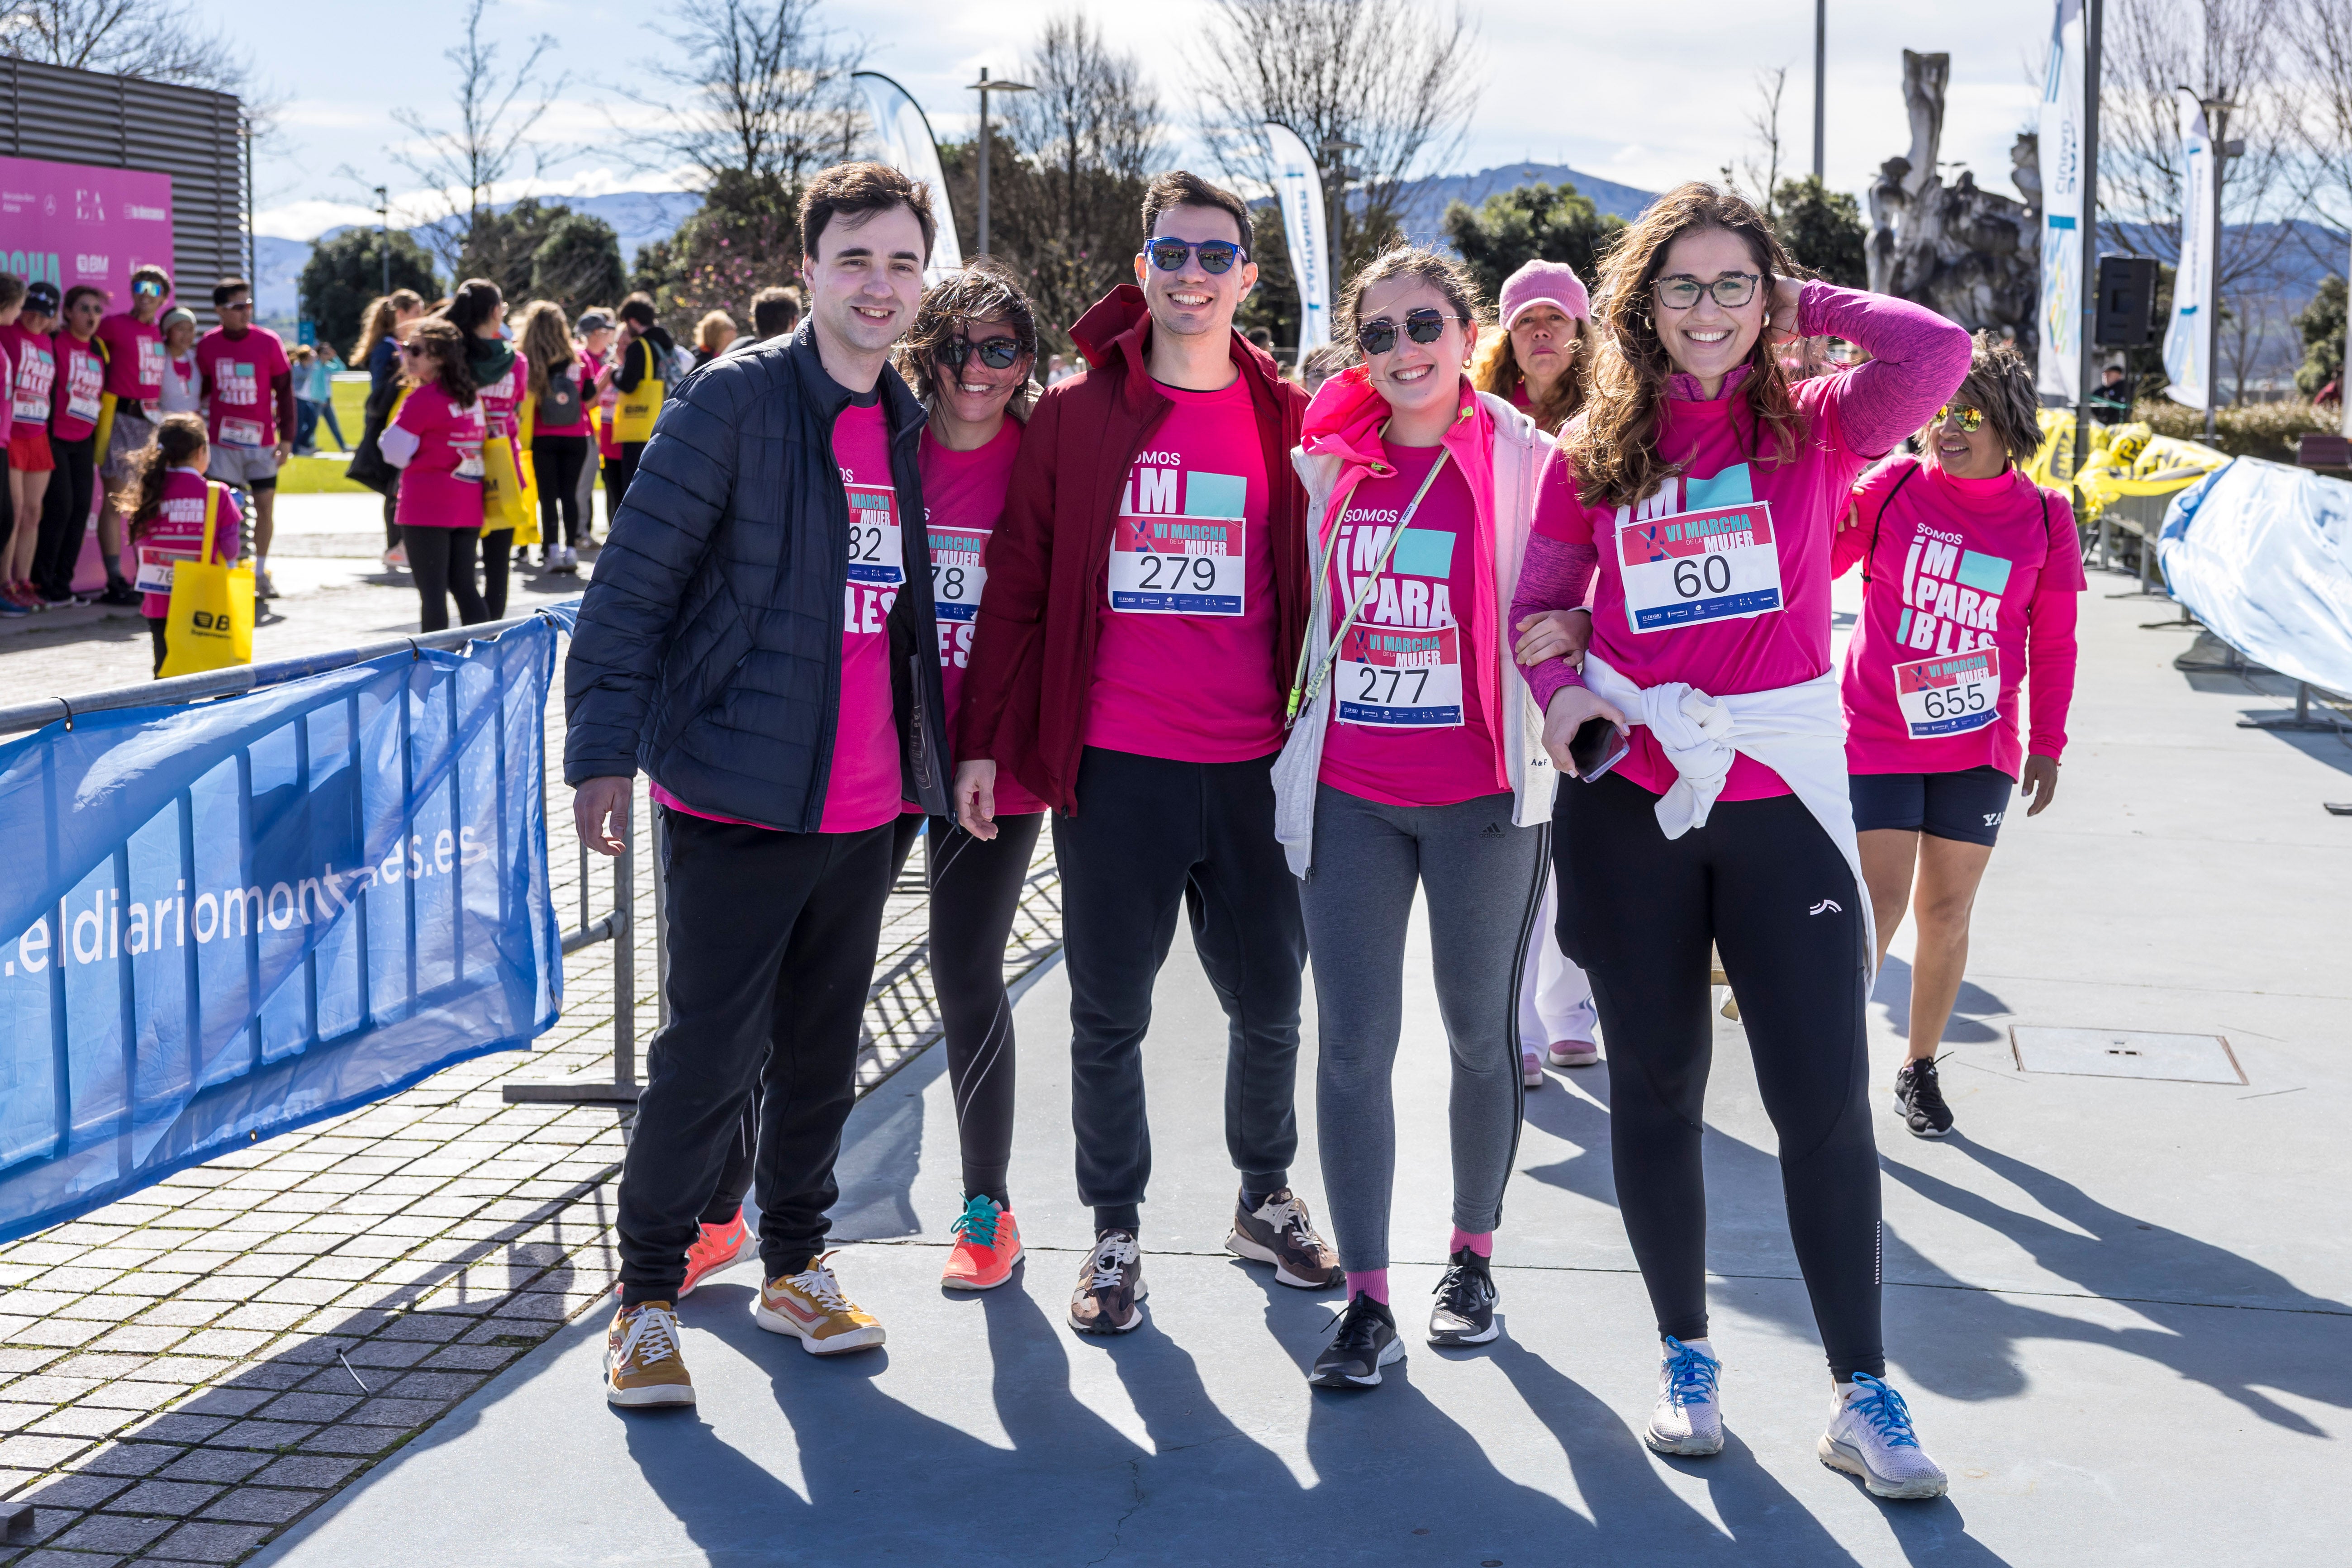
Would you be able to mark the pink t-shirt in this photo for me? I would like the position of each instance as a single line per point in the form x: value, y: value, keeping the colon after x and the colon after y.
x: 7, y: 387
x: 863, y: 790
x: 963, y: 495
x: 1407, y: 725
x: 178, y: 526
x: 241, y: 407
x: 134, y: 357
x: 81, y: 383
x: 1966, y: 579
x: 442, y: 485
x: 36, y: 384
x: 1185, y: 653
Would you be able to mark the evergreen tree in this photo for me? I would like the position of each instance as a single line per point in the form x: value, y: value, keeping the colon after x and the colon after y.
x: 579, y: 264
x: 346, y: 271
x: 1530, y: 222
x: 1823, y: 231
x: 2321, y: 323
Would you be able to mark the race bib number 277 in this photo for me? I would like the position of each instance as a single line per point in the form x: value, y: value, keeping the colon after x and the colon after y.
x: 1722, y: 564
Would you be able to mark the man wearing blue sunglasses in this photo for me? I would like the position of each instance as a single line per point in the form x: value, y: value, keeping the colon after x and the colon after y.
x: 1147, y: 594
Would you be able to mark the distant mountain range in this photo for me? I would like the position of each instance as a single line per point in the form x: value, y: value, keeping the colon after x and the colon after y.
x: 1423, y: 215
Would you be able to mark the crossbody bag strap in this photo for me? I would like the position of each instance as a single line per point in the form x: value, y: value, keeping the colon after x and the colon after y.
x: 1304, y: 688
x: 1868, y: 556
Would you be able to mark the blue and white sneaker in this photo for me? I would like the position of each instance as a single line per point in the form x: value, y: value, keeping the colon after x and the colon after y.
x: 1686, y: 1419
x: 1870, y: 1436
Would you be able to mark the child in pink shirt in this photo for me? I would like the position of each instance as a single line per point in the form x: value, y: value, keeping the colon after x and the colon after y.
x: 165, y: 505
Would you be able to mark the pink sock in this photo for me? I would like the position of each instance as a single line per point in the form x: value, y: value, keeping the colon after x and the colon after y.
x: 1372, y: 1282
x: 1480, y: 1242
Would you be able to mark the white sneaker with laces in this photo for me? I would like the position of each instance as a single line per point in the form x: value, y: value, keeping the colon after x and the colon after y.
x: 1687, y: 1419
x: 1870, y: 1436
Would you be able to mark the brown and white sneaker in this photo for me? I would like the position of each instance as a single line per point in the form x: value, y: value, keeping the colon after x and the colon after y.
x: 1278, y: 1232
x: 642, y: 1365
x: 1109, y: 1296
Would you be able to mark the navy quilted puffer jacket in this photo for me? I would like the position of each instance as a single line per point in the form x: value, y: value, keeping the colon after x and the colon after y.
x: 708, y: 650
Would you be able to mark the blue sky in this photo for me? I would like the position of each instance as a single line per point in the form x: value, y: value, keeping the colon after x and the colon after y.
x: 1646, y: 95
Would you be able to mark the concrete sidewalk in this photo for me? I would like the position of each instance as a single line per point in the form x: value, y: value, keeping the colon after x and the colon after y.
x: 2118, y: 1307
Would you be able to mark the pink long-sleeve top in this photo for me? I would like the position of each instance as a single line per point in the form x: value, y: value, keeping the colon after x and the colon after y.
x: 1720, y: 579
x: 1970, y: 585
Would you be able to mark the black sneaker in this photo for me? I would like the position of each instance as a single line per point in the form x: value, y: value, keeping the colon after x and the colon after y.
x: 1919, y: 1098
x: 119, y: 593
x: 1464, y: 1313
x: 1367, y: 1341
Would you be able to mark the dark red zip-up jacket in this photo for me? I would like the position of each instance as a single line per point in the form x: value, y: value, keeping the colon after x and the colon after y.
x: 1033, y: 652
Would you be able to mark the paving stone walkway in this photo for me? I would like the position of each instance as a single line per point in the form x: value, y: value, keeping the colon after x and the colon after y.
x: 186, y: 1371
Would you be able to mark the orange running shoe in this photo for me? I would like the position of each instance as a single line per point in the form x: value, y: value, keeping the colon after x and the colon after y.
x: 988, y: 1244
x: 715, y: 1248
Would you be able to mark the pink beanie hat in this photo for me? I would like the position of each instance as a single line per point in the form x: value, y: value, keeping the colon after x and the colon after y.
x: 1545, y: 282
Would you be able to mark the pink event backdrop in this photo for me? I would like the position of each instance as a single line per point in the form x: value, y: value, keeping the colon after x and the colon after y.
x: 74, y: 223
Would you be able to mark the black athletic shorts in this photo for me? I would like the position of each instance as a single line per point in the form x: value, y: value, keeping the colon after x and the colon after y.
x: 1965, y: 805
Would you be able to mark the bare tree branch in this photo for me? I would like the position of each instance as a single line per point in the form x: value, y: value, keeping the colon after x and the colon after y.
x: 763, y: 91
x: 1761, y: 175
x: 496, y: 111
x: 1396, y: 78
x: 158, y: 40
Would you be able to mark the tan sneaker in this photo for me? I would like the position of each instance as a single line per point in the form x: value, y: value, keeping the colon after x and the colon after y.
x: 810, y: 1305
x: 1111, y: 1286
x: 642, y: 1365
x: 1280, y: 1232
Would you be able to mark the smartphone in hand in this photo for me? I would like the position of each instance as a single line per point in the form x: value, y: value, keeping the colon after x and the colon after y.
x: 1598, y: 746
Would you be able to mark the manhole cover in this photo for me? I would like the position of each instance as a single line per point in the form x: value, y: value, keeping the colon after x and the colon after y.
x: 2125, y: 1053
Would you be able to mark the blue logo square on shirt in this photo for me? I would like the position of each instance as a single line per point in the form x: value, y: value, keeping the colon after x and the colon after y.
x: 1423, y: 553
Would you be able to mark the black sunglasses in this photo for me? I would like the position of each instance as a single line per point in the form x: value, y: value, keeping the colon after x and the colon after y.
x: 1217, y: 256
x: 1425, y: 325
x: 996, y: 353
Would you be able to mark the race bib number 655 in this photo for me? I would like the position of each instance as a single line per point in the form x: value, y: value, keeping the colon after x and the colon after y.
x: 1721, y: 563
x: 1950, y: 696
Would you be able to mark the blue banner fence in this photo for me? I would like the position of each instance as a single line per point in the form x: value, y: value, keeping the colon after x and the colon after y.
x: 227, y: 919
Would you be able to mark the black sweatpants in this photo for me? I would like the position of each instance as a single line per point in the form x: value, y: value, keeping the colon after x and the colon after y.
x: 498, y: 563
x: 557, y: 461
x: 771, y: 943
x: 618, y: 472
x: 1150, y: 834
x: 975, y: 887
x: 1765, y: 883
x: 65, y: 516
x: 441, y: 560
x: 155, y: 625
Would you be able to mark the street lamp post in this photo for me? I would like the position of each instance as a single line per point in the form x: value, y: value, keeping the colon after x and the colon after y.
x: 383, y: 233
x: 2217, y: 128
x: 984, y: 87
x: 1821, y: 69
x: 1335, y: 149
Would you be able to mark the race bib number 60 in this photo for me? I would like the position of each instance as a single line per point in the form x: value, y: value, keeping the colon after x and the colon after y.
x: 1950, y: 696
x: 1722, y: 564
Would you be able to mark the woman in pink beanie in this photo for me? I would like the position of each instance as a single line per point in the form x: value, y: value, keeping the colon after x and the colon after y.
x: 1536, y: 362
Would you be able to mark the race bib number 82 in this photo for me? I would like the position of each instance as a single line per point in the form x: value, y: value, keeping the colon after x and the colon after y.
x: 1722, y: 564
x: 875, y: 550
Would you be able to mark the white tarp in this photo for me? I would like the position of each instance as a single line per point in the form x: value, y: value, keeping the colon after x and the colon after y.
x: 2063, y: 207
x: 906, y: 146
x: 2261, y: 553
x: 1299, y: 185
x: 2185, y: 341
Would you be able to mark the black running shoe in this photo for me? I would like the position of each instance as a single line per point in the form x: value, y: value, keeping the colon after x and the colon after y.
x: 1367, y: 1341
x: 1464, y: 1313
x: 1920, y: 1099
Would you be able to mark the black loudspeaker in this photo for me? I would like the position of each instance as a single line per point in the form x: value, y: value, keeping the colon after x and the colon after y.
x: 2127, y: 302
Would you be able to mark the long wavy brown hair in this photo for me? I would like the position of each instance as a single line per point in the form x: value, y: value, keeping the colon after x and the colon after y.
x: 1614, y: 442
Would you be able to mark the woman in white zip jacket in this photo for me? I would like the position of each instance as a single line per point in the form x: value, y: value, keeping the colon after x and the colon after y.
x: 1415, y: 759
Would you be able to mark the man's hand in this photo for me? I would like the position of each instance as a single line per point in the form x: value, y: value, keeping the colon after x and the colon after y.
x: 596, y: 807
x: 975, y: 797
x: 1570, y: 706
x: 1555, y: 633
x: 2039, y: 783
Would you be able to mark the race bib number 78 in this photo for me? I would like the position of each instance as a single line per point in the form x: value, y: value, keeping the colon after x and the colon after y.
x: 1722, y: 564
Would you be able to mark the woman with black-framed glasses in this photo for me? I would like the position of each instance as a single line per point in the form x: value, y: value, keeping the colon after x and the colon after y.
x: 1969, y: 575
x: 1707, y: 802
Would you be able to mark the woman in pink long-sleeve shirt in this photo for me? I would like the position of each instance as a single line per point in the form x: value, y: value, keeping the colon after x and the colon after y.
x: 1970, y: 573
x: 1705, y: 488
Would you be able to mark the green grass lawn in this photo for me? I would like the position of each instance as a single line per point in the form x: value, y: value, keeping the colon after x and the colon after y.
x: 323, y: 475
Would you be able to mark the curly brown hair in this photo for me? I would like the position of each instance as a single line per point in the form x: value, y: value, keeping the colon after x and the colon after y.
x: 442, y: 347
x: 2000, y: 383
x: 1614, y: 442
x: 985, y: 290
x: 1496, y: 368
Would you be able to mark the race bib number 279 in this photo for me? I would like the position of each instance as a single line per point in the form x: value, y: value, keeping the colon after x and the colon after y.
x: 1164, y: 561
x: 1722, y: 564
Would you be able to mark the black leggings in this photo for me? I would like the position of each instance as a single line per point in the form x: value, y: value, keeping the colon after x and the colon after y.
x: 497, y: 561
x: 65, y: 516
x: 618, y: 472
x: 1767, y: 885
x: 441, y: 560
x: 557, y: 461
x: 975, y: 889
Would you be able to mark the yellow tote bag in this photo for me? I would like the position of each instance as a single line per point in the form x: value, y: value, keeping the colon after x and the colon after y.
x: 510, y: 487
x: 211, y: 622
x: 634, y: 416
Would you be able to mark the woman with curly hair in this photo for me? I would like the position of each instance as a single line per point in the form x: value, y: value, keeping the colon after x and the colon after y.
x: 1969, y: 574
x: 1538, y: 361
x: 1707, y: 803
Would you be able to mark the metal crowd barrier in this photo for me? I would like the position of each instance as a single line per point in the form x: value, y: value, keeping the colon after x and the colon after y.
x: 616, y: 925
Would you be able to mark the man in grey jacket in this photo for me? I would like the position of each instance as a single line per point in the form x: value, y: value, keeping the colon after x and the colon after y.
x: 758, y: 637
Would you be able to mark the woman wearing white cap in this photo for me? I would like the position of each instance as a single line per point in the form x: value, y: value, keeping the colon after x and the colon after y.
x: 1537, y: 363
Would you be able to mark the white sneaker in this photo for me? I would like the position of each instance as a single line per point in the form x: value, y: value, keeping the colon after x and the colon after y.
x: 263, y: 588
x: 1687, y: 1418
x: 1870, y: 1436
x: 396, y: 558
x: 567, y: 559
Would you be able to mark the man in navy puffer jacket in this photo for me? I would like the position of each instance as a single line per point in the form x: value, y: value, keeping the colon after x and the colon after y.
x: 757, y: 637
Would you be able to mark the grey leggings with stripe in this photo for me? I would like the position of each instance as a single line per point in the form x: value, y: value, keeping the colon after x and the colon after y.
x: 1483, y: 879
